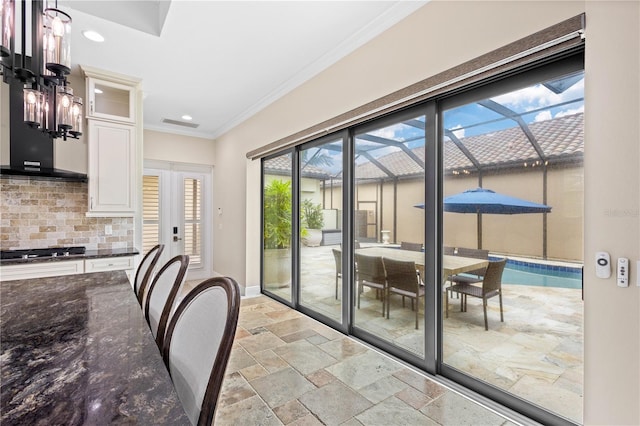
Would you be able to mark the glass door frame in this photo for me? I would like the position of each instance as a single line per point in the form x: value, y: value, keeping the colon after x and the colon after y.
x: 171, y: 181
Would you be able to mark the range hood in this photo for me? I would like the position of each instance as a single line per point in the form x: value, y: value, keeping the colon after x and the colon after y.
x: 30, y: 150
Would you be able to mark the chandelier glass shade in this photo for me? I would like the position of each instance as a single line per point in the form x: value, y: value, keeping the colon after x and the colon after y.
x: 49, y: 103
x: 6, y: 27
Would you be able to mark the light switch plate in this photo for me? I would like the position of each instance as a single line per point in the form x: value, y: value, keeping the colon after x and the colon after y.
x: 638, y: 272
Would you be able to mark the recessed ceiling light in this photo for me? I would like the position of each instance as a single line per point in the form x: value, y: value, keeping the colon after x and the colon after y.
x: 187, y: 117
x: 93, y: 36
x: 97, y: 91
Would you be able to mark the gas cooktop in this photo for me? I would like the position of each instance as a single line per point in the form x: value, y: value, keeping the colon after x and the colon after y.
x: 43, y: 252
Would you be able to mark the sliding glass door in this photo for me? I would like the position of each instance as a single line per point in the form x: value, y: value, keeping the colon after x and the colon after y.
x: 448, y: 234
x: 512, y: 236
x: 277, y: 225
x: 320, y: 227
x: 389, y: 172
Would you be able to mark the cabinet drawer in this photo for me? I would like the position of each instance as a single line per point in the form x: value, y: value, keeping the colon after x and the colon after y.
x: 40, y: 270
x: 108, y: 264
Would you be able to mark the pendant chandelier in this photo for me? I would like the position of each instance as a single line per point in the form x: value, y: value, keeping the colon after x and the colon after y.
x: 49, y: 103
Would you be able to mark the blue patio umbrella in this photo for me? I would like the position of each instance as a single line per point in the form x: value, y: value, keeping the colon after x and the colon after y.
x: 481, y: 201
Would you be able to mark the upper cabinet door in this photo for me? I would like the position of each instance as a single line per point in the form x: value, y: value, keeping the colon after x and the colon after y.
x: 110, y: 100
x: 112, y: 96
x: 112, y: 168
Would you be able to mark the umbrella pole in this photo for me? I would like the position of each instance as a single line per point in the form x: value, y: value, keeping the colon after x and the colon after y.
x: 479, y: 216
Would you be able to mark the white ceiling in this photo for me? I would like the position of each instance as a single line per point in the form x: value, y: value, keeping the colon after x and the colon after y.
x: 222, y: 61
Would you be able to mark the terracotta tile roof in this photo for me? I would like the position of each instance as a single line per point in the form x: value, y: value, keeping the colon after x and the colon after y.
x: 557, y: 138
x: 281, y: 165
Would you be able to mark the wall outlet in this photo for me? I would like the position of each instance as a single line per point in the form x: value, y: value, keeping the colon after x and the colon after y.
x: 108, y: 229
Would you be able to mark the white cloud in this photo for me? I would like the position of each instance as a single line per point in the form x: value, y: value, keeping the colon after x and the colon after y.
x: 570, y: 111
x: 458, y: 133
x: 391, y: 132
x: 543, y: 116
x: 538, y: 96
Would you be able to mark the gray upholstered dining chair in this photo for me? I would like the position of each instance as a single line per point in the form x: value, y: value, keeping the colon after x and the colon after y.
x: 403, y: 279
x: 145, y: 271
x: 491, y: 286
x: 198, y: 345
x: 161, y: 297
x: 371, y: 274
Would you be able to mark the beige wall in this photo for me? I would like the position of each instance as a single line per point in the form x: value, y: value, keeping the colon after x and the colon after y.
x: 612, y: 204
x: 522, y: 234
x: 178, y: 148
x: 436, y: 37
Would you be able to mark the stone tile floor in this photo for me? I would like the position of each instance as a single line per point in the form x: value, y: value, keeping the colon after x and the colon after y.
x: 288, y: 369
x: 536, y: 354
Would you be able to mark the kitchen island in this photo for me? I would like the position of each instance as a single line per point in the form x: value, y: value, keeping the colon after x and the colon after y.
x: 77, y: 350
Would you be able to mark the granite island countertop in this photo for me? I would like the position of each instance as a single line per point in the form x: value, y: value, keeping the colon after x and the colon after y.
x: 77, y: 350
x: 89, y: 254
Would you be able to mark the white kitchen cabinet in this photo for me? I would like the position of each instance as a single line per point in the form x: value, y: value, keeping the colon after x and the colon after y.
x: 111, y: 96
x: 25, y: 271
x: 110, y: 101
x: 114, y: 143
x: 112, y: 168
x: 123, y: 263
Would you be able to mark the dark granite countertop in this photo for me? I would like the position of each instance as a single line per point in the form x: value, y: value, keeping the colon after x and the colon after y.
x: 77, y: 350
x: 89, y: 254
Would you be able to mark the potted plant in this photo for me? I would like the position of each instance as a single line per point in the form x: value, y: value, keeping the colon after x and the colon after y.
x: 312, y: 222
x: 277, y: 233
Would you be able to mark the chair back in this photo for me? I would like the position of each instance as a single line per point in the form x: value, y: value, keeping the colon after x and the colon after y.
x: 162, y: 295
x: 474, y: 253
x: 493, y: 276
x: 370, y: 268
x: 337, y: 257
x: 198, y: 344
x: 145, y: 271
x: 404, y: 245
x: 401, y: 275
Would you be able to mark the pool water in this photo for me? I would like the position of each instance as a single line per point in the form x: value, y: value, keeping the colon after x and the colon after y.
x: 542, y: 277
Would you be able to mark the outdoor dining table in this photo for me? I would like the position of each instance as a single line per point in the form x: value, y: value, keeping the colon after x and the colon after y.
x: 451, y: 265
x: 77, y: 350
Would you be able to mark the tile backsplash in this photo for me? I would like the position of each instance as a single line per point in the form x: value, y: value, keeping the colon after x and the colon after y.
x: 50, y: 213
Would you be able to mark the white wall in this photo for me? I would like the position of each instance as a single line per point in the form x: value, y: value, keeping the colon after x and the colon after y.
x: 441, y: 35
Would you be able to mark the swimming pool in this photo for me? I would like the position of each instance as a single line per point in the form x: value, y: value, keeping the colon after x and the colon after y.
x: 541, y: 275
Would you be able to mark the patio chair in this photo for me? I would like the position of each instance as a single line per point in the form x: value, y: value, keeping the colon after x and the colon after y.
x: 491, y: 286
x: 403, y: 279
x: 404, y: 245
x: 470, y: 277
x: 371, y: 274
x: 337, y: 257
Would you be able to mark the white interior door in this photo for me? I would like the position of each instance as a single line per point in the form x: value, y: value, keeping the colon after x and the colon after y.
x: 177, y: 213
